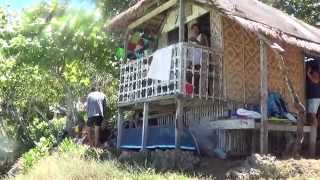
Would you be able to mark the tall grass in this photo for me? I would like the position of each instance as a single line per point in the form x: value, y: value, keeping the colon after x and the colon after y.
x: 69, y: 167
x: 71, y: 161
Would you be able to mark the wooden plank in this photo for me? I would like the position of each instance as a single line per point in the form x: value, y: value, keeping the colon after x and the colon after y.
x: 178, y: 123
x: 152, y: 14
x: 287, y: 128
x: 119, y: 127
x: 145, y: 125
x: 170, y: 98
x: 182, y: 19
x: 264, y: 97
x: 233, y: 124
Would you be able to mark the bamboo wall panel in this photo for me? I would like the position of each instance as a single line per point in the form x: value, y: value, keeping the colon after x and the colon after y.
x: 275, y: 76
x: 252, y: 67
x: 233, y: 60
x: 242, y: 69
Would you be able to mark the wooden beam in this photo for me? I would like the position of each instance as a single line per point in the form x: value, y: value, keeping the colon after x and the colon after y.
x: 182, y: 19
x: 264, y: 97
x: 119, y: 127
x: 287, y: 128
x: 178, y: 123
x: 125, y: 44
x: 145, y: 125
x: 152, y: 14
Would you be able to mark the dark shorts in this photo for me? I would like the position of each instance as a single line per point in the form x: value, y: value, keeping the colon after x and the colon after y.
x: 94, y: 121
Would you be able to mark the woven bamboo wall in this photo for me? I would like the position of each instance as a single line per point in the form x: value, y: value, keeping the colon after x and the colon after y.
x: 242, y: 66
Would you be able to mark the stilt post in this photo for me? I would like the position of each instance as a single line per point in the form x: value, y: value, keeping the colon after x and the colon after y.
x: 119, y: 127
x: 178, y: 123
x: 264, y: 97
x: 145, y: 126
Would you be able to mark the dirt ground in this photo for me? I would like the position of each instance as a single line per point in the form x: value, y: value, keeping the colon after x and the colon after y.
x: 260, y: 167
x: 217, y: 168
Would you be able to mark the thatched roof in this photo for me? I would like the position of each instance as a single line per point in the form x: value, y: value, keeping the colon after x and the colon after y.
x: 251, y: 14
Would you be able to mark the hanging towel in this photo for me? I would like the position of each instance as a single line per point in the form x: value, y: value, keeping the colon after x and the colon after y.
x: 161, y: 64
x: 197, y: 56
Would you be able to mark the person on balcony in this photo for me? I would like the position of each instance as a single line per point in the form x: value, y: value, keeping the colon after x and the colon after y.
x: 135, y: 45
x: 139, y: 43
x: 200, y: 39
x: 197, y: 37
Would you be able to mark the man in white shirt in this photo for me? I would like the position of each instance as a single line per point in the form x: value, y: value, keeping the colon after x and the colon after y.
x: 96, y: 110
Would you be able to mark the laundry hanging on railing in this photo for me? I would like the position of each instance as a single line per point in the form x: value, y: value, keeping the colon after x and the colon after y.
x: 161, y: 64
x: 197, y: 56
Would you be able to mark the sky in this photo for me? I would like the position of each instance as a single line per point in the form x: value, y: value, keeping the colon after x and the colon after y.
x: 18, y: 5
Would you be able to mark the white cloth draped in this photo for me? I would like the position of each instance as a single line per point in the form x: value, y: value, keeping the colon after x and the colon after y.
x: 161, y: 64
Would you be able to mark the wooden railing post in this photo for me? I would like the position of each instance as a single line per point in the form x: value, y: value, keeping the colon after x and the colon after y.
x: 264, y: 97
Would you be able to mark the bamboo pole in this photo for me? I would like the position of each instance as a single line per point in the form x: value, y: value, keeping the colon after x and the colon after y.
x: 182, y: 5
x: 119, y: 127
x: 264, y: 97
x: 145, y: 125
x: 178, y: 123
x: 179, y: 110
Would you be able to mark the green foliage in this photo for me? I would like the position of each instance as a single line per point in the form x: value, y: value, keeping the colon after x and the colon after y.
x: 70, y: 147
x: 42, y: 149
x: 49, y: 58
x: 307, y: 10
x: 114, y: 7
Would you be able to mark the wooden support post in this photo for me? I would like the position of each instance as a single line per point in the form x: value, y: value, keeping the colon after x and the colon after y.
x: 125, y: 44
x: 313, y: 138
x: 253, y: 141
x: 264, y: 97
x: 179, y: 111
x: 178, y: 123
x: 145, y: 125
x: 182, y: 5
x: 119, y: 127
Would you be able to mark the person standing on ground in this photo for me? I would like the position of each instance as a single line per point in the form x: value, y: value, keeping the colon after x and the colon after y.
x: 96, y: 110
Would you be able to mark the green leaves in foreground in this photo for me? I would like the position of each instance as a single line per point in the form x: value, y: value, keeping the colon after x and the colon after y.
x: 49, y: 57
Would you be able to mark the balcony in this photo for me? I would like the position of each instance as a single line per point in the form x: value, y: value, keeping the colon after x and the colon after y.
x: 195, y: 72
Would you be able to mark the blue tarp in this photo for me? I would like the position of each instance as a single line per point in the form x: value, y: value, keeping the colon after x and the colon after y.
x: 158, y: 138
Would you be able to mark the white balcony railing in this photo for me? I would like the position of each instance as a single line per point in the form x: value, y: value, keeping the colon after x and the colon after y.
x: 194, y: 72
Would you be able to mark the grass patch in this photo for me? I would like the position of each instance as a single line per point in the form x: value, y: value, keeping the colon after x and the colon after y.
x: 73, y: 161
x: 67, y: 166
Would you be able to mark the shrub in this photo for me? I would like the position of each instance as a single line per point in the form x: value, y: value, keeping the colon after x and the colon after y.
x: 41, y: 150
x: 70, y: 147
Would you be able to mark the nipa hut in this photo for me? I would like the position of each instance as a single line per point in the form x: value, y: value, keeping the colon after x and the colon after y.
x: 242, y: 51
